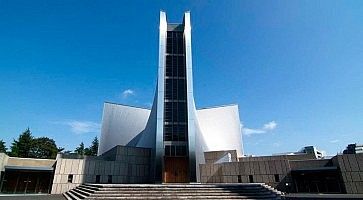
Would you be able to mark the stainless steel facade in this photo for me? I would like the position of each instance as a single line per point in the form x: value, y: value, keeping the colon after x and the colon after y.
x: 211, y: 129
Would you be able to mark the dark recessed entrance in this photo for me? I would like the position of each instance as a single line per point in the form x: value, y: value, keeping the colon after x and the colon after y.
x: 22, y: 181
x: 318, y: 180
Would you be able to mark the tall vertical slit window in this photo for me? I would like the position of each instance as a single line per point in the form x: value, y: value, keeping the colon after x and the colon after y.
x: 175, y: 96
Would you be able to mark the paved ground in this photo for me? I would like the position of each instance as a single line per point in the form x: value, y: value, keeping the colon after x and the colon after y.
x: 303, y: 196
x: 32, y: 197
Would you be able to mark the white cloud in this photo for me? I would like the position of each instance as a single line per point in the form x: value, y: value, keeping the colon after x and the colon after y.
x: 249, y: 131
x: 270, y: 125
x: 128, y: 93
x: 265, y: 128
x: 334, y: 141
x: 276, y: 144
x: 80, y: 127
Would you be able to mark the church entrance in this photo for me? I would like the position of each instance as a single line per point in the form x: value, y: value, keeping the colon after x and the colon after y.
x: 25, y: 181
x: 176, y: 170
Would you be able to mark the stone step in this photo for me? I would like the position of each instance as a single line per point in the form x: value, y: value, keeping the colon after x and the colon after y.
x: 175, y: 185
x: 190, y: 197
x: 172, y: 191
x: 182, y: 190
x: 65, y: 195
x: 70, y: 196
x: 89, y: 187
x: 184, y: 194
x: 85, y: 189
x: 179, y: 192
x: 77, y: 194
x: 84, y: 193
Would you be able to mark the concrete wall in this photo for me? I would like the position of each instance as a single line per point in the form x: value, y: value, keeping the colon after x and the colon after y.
x: 3, y: 161
x: 124, y: 164
x: 310, y: 164
x: 216, y: 156
x: 262, y: 171
x: 303, y: 156
x: 15, y: 161
x: 351, y: 167
x: 64, y: 167
x: 262, y: 168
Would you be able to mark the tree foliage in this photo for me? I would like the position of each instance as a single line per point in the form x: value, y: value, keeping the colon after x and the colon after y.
x: 22, y: 146
x: 27, y: 146
x: 80, y: 149
x: 3, y: 148
x: 90, y: 151
x: 44, y: 147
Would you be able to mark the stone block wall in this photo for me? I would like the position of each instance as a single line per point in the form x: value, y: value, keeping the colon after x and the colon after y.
x: 3, y: 161
x: 263, y: 171
x: 215, y: 156
x: 351, y: 167
x: 276, y: 170
x: 65, y: 167
x: 310, y: 164
x: 120, y: 165
x: 302, y: 156
x: 34, y: 162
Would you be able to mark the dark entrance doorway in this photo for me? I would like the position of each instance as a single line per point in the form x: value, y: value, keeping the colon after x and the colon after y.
x: 22, y: 181
x: 176, y: 170
x: 319, y: 180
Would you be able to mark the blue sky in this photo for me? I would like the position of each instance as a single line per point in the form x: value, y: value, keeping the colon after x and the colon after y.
x: 295, y: 68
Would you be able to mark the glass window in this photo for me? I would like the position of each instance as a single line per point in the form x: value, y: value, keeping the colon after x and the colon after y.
x: 167, y: 150
x: 172, y: 151
x: 178, y: 151
x: 184, y: 150
x: 182, y: 137
x: 70, y: 178
x: 181, y: 150
x: 109, y: 179
x: 168, y: 136
x: 250, y: 177
x: 180, y: 46
x: 277, y: 178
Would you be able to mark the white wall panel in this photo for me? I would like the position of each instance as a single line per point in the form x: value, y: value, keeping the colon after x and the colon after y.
x: 220, y: 128
x: 120, y: 124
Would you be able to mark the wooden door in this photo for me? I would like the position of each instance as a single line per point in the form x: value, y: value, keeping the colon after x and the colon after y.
x: 176, y: 170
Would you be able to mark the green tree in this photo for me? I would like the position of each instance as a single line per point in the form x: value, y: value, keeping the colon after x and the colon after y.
x: 3, y: 148
x: 44, y: 147
x: 22, y: 146
x: 92, y: 150
x: 87, y: 152
x: 60, y: 149
x: 80, y: 149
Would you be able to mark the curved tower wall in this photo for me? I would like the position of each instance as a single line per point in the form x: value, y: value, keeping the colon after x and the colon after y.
x: 160, y: 100
x: 190, y: 97
x: 220, y: 128
x: 120, y: 125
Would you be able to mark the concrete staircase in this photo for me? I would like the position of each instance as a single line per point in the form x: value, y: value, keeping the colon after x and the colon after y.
x: 171, y: 191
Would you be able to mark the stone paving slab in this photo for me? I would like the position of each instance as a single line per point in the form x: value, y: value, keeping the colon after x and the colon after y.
x: 31, y: 197
x: 306, y: 196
